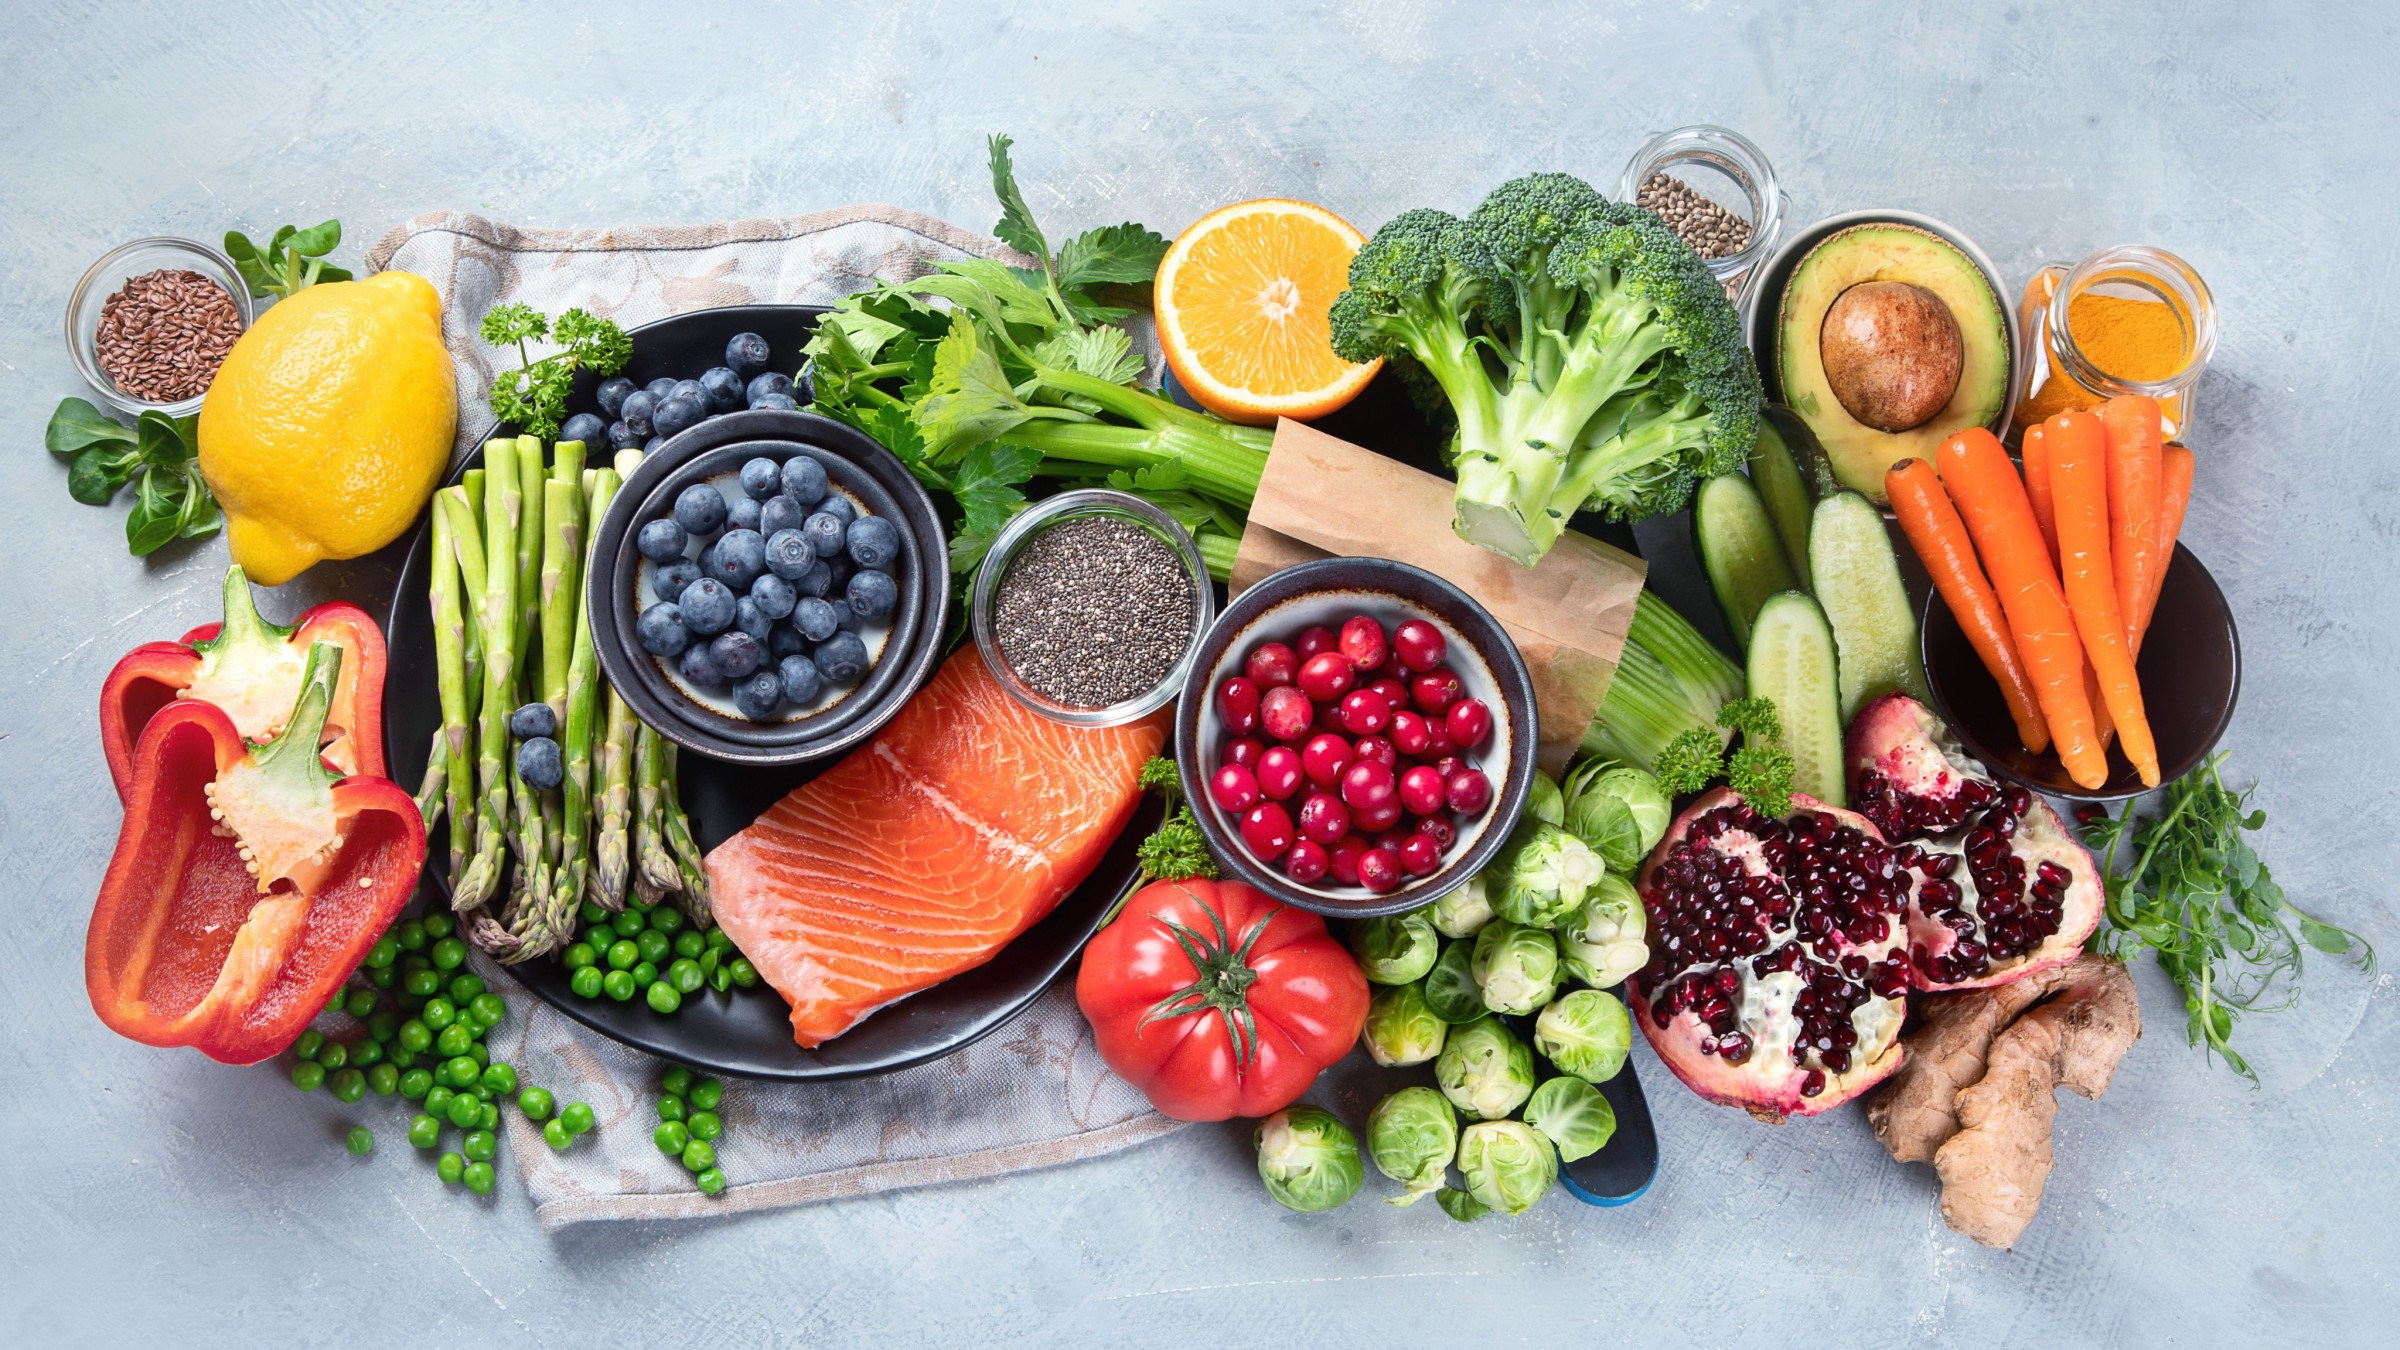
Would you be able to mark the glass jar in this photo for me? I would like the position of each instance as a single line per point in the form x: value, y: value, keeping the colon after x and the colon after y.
x: 1727, y: 169
x: 2127, y: 320
x: 109, y: 275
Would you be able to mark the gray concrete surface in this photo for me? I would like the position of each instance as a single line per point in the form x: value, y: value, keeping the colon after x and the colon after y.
x: 152, y: 1197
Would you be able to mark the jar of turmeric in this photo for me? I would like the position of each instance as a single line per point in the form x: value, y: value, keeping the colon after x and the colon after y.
x: 2126, y: 320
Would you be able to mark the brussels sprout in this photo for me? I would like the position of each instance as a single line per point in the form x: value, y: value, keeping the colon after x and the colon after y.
x: 1601, y: 943
x: 1543, y: 801
x: 1621, y: 812
x: 1572, y: 1114
x: 1401, y: 1029
x: 1484, y: 1069
x: 1464, y: 910
x: 1450, y: 989
x: 1516, y: 967
x: 1586, y: 1034
x: 1543, y: 875
x: 1508, y: 1164
x: 1461, y: 1206
x: 1412, y: 1135
x: 1308, y: 1158
x: 1395, y: 950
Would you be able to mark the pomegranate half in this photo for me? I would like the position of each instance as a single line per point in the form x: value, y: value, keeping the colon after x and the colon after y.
x: 2002, y: 887
x: 1777, y: 981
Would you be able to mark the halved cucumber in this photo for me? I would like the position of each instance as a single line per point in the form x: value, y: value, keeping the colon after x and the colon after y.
x: 1792, y: 662
x: 1776, y: 474
x: 1739, y: 550
x: 1857, y: 579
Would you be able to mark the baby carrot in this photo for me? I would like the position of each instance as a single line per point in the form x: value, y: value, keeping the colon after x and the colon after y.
x: 2036, y: 454
x: 2133, y: 425
x: 2000, y: 520
x: 2079, y: 491
x: 1940, y: 538
x: 2174, y: 495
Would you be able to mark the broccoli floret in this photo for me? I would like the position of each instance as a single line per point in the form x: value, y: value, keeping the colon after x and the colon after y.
x: 1589, y: 356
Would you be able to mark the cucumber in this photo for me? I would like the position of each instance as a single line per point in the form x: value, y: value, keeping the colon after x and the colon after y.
x: 1792, y: 662
x: 1739, y: 550
x: 1857, y: 580
x: 1776, y: 475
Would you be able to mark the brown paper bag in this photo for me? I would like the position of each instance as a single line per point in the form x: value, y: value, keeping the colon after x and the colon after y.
x: 1323, y: 497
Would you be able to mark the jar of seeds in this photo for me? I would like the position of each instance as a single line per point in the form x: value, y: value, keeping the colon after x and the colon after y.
x: 1715, y: 190
x: 150, y: 322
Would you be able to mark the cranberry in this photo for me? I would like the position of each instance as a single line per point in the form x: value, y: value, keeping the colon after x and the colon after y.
x: 1434, y: 691
x: 1279, y: 772
x: 1324, y: 818
x: 1393, y: 691
x: 1316, y: 638
x: 1411, y: 733
x: 1439, y: 830
x: 1363, y: 642
x: 1468, y: 722
x: 1376, y: 818
x: 1237, y: 704
x: 1342, y: 857
x: 1467, y: 790
x: 1325, y: 677
x: 1234, y: 788
x: 1285, y: 713
x: 1379, y: 870
x: 1267, y: 830
x: 1369, y: 782
x: 1324, y: 758
x: 1421, y: 790
x: 1244, y: 750
x: 1420, y: 856
x: 1437, y: 739
x: 1365, y: 712
x: 1306, y: 862
x: 1273, y: 664
x: 1419, y: 645
x: 1376, y: 748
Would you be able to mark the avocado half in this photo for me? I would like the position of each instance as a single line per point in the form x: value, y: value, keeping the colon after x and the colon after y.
x: 1859, y: 454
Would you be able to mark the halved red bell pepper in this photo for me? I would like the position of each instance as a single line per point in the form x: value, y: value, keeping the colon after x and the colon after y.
x: 248, y: 881
x: 251, y: 669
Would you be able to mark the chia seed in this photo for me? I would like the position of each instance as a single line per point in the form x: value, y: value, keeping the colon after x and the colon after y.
x: 1093, y: 611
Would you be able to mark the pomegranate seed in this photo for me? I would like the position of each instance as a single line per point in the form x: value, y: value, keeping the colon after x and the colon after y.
x: 1324, y: 758
x: 1376, y: 748
x: 1365, y: 712
x: 1379, y: 868
x: 1341, y: 858
x: 1325, y: 677
x: 1314, y: 639
x: 1434, y: 691
x: 1411, y: 733
x: 1468, y: 792
x: 1422, y: 790
x: 1362, y: 642
x: 1244, y: 750
x: 1237, y: 705
x: 1419, y: 645
x: 1272, y: 665
x: 1813, y: 1084
x: 1324, y: 818
x: 1285, y: 713
x: 1234, y: 788
x: 1267, y: 831
x: 1468, y: 722
x: 1278, y: 772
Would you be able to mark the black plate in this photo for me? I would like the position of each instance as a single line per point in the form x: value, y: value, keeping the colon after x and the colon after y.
x: 748, y: 1034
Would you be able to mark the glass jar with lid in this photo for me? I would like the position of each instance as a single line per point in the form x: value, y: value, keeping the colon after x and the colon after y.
x: 2127, y: 320
x: 1716, y: 191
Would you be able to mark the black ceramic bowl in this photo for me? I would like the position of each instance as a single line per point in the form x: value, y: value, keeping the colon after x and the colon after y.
x: 1326, y: 592
x: 715, y: 451
x: 2191, y: 674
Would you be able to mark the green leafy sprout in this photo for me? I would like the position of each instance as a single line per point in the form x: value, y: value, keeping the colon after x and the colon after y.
x: 158, y: 456
x: 534, y: 395
x: 292, y: 260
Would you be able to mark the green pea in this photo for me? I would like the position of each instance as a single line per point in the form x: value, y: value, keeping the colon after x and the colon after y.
x: 411, y: 935
x: 480, y: 1093
x: 619, y: 985
x: 489, y: 1117
x: 421, y: 983
x: 685, y: 975
x: 645, y: 974
x: 706, y: 1093
x: 464, y: 988
x: 383, y: 1080
x: 711, y: 961
x: 449, y: 954
x: 455, y: 1039
x: 479, y: 1144
x: 360, y: 1141
x: 719, y: 939
x: 554, y: 1133
x: 671, y: 1107
x: 308, y: 1075
x: 349, y: 1085
x: 655, y: 947
x: 501, y: 1079
x: 600, y: 939
x: 704, y: 1125
x: 535, y: 1102
x: 666, y: 919
x: 479, y: 1177
x: 744, y: 974
x: 465, y: 1112
x: 401, y: 1056
x: 412, y: 962
x: 415, y: 1084
x: 487, y: 1011
x: 333, y: 1055
x: 590, y: 911
x: 439, y: 926
x: 385, y: 951
x: 577, y: 1116
x: 711, y: 1181
x: 676, y: 1081
x: 382, y: 977
x: 460, y: 1071
x: 671, y: 1137
x: 631, y: 920
x: 311, y: 1041
x: 451, y: 1169
x: 359, y: 1002
x: 481, y: 1054
x: 662, y: 998
x: 383, y: 1026
x: 720, y: 979
x: 340, y: 1001
x: 438, y: 1099
x: 623, y: 955
x: 366, y: 1054
x: 689, y: 944
x: 699, y: 1155
x: 578, y: 955
x: 438, y: 1013
x: 586, y: 982
x: 424, y: 1131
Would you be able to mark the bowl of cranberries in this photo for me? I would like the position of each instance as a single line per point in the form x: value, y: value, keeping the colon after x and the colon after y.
x: 1357, y: 736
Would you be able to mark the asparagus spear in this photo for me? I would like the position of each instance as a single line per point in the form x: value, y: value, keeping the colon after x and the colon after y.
x: 497, y: 620
x: 562, y: 565
x: 449, y: 754
x: 556, y: 922
x: 652, y: 856
x: 431, y: 796
x: 531, y: 474
x: 613, y: 805
x: 691, y: 869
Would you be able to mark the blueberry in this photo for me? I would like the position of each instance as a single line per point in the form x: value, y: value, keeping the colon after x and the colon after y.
x: 707, y: 606
x: 750, y: 617
x: 779, y: 513
x: 746, y: 353
x: 762, y: 477
x: 611, y: 394
x: 790, y: 555
x: 660, y: 388
x: 800, y: 679
x: 874, y: 543
x: 839, y: 507
x: 661, y: 540
x: 838, y: 571
x: 678, y: 413
x: 845, y: 617
x: 774, y: 595
x: 650, y: 447
x: 815, y: 619
x: 784, y: 640
x: 692, y: 390
x: 635, y: 413
x: 736, y: 653
x: 623, y: 437
x: 583, y: 427
x: 758, y: 697
x: 771, y: 382
x: 777, y: 402
x: 534, y: 719
x: 540, y: 764
x: 700, y: 668
x: 723, y: 387
x: 668, y: 579
x: 817, y: 580
x: 700, y: 508
x: 826, y: 533
x: 661, y: 630
x: 736, y: 558
x: 804, y: 480
x: 842, y: 658
x: 873, y: 594
x: 741, y: 514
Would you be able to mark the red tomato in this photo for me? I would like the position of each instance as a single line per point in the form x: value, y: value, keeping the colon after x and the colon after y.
x: 1273, y: 1000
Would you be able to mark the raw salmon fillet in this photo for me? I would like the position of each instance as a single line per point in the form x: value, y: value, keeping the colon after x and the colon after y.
x: 959, y: 826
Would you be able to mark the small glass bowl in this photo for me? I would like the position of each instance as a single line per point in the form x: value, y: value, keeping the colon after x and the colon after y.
x: 109, y: 275
x: 1723, y: 166
x: 1071, y: 506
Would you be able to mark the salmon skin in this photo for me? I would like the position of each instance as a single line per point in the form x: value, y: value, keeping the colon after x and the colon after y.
x: 961, y: 824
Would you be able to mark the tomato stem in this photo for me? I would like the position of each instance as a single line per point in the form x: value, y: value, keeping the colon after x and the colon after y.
x: 1224, y: 976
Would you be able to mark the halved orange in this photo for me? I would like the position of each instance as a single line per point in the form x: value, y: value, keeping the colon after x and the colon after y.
x: 1242, y: 298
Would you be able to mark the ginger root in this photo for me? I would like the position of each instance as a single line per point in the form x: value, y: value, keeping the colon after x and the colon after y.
x: 1979, y: 1088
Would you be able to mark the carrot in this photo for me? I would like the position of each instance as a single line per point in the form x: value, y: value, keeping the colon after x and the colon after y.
x: 1940, y: 538
x: 2036, y: 454
x: 2079, y: 489
x: 2133, y: 427
x: 2174, y: 495
x: 2000, y: 520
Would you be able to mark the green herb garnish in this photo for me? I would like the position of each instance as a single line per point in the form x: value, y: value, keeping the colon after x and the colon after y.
x: 534, y: 396
x: 1175, y: 851
x: 158, y: 455
x: 293, y: 260
x: 1761, y: 770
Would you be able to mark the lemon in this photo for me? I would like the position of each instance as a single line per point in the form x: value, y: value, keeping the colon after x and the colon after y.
x: 330, y: 423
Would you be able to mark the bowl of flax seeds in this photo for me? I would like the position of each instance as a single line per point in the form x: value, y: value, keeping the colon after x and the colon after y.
x: 150, y: 322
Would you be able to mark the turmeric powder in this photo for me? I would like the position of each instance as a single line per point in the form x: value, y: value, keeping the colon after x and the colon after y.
x: 2141, y: 341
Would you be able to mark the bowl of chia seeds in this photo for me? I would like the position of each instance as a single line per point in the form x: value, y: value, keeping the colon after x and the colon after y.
x: 1089, y: 606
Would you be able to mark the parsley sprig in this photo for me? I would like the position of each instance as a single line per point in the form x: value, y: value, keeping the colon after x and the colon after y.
x: 1761, y: 770
x: 534, y: 396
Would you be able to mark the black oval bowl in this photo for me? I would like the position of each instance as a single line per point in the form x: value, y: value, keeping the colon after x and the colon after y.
x: 1277, y: 609
x: 713, y: 449
x: 2191, y: 674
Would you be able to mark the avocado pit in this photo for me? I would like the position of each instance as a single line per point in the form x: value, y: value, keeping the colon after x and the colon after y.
x: 1892, y: 353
